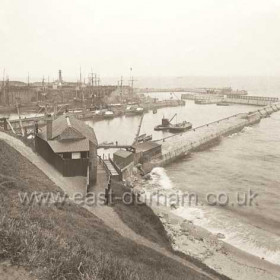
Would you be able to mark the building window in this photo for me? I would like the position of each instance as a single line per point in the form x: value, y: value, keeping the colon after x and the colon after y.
x: 76, y: 155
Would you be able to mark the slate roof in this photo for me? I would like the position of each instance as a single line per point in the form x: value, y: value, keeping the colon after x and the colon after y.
x: 69, y: 146
x: 69, y: 135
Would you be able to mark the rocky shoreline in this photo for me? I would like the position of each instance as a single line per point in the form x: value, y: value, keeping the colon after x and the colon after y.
x: 210, y: 249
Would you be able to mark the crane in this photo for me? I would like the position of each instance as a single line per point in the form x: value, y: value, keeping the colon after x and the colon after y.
x: 173, y: 117
x: 138, y: 131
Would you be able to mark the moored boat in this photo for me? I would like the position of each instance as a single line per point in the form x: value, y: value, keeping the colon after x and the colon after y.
x: 141, y: 137
x: 109, y: 114
x: 148, y: 138
x: 222, y: 103
x: 144, y: 138
x: 180, y: 127
x: 203, y: 101
x: 134, y: 110
x: 165, y: 124
x: 106, y: 143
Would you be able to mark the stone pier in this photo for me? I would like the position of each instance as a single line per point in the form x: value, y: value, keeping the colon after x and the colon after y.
x: 179, y: 145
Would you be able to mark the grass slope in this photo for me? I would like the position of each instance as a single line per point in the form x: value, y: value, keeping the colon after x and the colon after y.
x: 66, y: 241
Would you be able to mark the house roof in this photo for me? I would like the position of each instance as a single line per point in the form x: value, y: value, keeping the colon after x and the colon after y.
x: 69, y: 146
x: 69, y: 135
x: 122, y: 153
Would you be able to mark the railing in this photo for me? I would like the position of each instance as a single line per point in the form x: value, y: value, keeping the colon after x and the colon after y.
x: 108, y: 190
x: 193, y: 145
x: 218, y: 121
x: 194, y: 129
x: 108, y: 172
x: 128, y: 147
x: 260, y: 98
x: 186, y: 146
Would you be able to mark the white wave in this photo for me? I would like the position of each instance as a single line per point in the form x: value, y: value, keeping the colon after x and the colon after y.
x: 233, y: 135
x: 191, y: 213
x: 243, y: 236
x: 160, y: 179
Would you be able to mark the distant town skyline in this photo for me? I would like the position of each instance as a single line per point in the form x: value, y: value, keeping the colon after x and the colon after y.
x: 155, y: 38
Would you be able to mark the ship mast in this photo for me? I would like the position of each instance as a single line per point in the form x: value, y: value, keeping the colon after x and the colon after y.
x: 131, y: 81
x: 121, y: 88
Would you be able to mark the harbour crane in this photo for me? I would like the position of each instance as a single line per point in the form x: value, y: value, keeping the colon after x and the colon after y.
x: 138, y: 131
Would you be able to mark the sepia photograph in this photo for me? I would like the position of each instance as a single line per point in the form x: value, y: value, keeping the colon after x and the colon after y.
x: 139, y: 140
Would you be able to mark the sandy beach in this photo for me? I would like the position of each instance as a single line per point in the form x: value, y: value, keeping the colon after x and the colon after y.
x: 212, y: 250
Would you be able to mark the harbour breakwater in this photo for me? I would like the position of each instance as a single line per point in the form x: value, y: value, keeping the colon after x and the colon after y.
x: 232, y: 99
x: 179, y: 145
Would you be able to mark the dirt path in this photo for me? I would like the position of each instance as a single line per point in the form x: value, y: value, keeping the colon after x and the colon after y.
x: 105, y: 213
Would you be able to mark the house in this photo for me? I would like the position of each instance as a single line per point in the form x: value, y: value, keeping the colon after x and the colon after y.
x: 69, y: 145
x: 123, y: 158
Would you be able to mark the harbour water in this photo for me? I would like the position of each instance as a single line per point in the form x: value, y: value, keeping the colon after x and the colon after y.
x: 246, y: 161
x: 243, y: 162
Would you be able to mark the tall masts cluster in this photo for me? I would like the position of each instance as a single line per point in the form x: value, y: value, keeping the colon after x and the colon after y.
x: 130, y: 83
x: 94, y: 80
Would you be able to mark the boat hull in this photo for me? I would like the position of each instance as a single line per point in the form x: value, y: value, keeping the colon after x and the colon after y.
x: 180, y: 129
x: 161, y: 128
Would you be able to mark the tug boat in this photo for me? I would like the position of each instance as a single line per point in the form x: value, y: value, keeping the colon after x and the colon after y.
x: 165, y: 124
x: 180, y: 127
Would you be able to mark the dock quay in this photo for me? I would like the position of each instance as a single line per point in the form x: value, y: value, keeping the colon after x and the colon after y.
x: 29, y: 122
x: 251, y: 100
x: 233, y: 99
x: 176, y: 146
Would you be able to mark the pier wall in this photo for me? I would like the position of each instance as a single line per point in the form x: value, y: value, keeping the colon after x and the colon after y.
x: 251, y: 100
x: 176, y: 146
x: 234, y: 99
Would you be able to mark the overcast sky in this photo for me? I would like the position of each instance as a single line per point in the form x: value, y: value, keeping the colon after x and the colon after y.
x: 166, y: 38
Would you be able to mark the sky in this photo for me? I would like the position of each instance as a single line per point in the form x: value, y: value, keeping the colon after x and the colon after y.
x: 154, y: 38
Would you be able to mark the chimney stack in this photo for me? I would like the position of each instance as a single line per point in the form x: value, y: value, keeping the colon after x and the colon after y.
x: 60, y: 77
x: 49, y: 127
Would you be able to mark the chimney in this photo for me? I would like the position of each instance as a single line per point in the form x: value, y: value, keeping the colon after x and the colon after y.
x: 60, y: 76
x: 49, y: 126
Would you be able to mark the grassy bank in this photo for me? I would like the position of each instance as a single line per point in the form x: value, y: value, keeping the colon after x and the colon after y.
x: 140, y: 218
x: 65, y: 241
